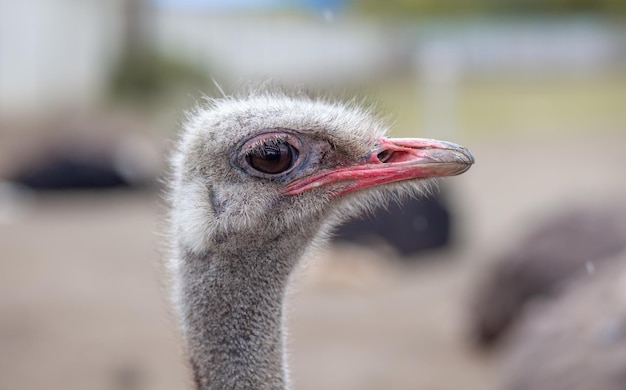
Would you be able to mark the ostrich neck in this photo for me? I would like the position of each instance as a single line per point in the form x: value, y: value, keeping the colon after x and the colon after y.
x: 232, y: 312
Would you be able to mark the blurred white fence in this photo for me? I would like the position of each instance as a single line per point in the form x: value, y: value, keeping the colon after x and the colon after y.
x: 321, y: 50
x: 540, y: 47
x: 56, y: 53
x: 59, y: 53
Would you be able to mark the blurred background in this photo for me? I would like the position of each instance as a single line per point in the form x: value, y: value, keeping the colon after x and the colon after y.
x: 513, y: 262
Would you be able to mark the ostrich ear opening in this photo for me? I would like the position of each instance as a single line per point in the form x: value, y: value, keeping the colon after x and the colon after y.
x: 393, y: 160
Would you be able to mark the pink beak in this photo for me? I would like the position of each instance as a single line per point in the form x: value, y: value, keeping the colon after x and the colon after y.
x: 395, y: 159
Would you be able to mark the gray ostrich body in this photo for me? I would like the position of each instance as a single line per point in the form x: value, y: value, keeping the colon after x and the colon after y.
x: 545, y: 264
x: 555, y: 305
x: 575, y: 341
x: 255, y: 182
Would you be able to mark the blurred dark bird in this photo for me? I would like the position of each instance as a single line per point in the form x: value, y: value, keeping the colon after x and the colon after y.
x: 86, y: 154
x: 576, y: 341
x: 257, y: 181
x: 408, y: 225
x: 565, y: 247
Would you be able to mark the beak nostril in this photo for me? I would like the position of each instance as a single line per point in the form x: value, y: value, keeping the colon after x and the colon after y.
x: 384, y: 156
x: 390, y: 156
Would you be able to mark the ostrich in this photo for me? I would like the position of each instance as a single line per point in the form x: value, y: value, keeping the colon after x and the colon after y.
x: 257, y: 181
x: 575, y: 341
x: 555, y: 305
x: 544, y: 264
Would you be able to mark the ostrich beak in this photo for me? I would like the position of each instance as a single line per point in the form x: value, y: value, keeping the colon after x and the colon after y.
x: 394, y: 160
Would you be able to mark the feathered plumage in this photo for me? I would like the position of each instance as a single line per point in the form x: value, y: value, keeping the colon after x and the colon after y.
x: 256, y: 181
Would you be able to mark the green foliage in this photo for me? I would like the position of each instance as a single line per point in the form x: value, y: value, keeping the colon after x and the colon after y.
x: 500, y: 107
x: 147, y: 77
x: 417, y: 8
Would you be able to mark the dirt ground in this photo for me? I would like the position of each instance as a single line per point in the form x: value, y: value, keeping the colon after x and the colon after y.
x: 82, y: 302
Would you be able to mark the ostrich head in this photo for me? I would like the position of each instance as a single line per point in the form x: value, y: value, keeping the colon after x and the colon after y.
x: 255, y: 181
x: 269, y: 163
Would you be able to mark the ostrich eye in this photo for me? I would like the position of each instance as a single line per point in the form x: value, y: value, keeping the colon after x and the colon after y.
x: 272, y: 157
x: 272, y: 154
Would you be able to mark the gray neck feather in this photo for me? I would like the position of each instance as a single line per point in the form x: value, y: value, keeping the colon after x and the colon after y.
x: 232, y: 310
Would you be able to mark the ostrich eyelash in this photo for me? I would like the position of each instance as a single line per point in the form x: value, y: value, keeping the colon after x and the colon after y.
x: 272, y: 140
